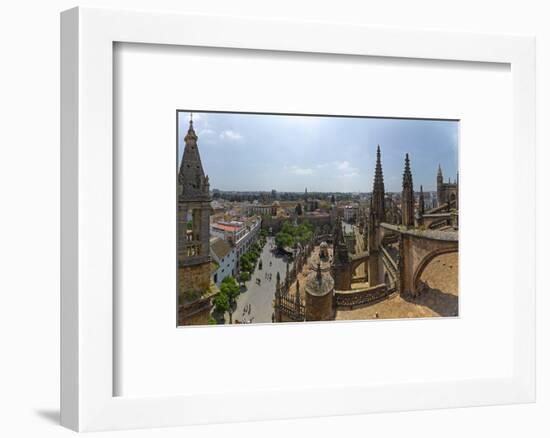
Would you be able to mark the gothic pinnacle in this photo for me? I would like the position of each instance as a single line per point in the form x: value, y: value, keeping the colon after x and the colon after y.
x: 407, y: 176
x: 191, y: 135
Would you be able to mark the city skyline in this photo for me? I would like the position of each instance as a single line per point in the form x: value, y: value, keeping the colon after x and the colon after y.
x: 324, y: 154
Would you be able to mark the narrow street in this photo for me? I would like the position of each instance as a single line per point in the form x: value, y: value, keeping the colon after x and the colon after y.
x: 260, y: 297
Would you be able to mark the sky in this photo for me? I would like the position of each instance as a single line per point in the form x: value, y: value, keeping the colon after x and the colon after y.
x: 261, y: 152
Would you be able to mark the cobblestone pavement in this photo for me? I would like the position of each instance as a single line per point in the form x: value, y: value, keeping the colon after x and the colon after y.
x: 260, y: 297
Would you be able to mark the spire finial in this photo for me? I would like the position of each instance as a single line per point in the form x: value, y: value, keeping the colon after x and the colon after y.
x: 407, y: 171
x: 191, y: 131
x: 319, y: 274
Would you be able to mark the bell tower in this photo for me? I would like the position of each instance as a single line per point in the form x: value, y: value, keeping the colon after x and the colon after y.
x: 193, y: 231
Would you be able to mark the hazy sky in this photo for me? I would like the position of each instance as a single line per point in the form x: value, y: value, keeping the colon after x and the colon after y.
x: 289, y: 153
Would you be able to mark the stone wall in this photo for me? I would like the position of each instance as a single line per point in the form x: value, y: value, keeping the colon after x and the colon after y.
x: 342, y: 276
x: 194, y: 278
x: 320, y: 308
x: 196, y: 313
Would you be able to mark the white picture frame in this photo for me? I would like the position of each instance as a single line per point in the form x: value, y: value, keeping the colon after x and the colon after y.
x: 87, y: 344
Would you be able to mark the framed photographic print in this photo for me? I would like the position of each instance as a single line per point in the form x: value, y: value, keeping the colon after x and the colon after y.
x: 313, y: 214
x: 266, y: 251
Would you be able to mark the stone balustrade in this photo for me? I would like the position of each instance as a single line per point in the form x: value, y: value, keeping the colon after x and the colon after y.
x: 351, y: 299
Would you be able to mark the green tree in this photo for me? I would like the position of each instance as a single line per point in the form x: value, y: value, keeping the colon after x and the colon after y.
x: 246, y: 263
x: 244, y: 276
x: 221, y: 302
x: 230, y: 288
x: 283, y: 239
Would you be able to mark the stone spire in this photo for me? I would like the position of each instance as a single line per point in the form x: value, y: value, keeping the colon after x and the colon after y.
x: 440, y: 191
x: 319, y: 274
x: 407, y: 195
x: 287, y: 277
x: 340, y: 265
x: 338, y: 235
x: 378, y: 191
x: 194, y: 183
x: 421, y: 201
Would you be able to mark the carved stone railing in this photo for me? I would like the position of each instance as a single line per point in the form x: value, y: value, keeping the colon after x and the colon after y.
x: 363, y: 297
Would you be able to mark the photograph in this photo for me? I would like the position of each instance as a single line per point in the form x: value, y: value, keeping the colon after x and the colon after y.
x: 297, y: 218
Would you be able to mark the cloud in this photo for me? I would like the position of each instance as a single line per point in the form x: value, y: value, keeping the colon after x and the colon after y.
x: 349, y: 175
x: 296, y: 170
x: 230, y: 135
x: 342, y: 165
x: 347, y: 170
x: 339, y: 169
x: 206, y: 132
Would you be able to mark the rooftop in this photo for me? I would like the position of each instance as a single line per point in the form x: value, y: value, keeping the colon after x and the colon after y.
x: 231, y: 227
x: 219, y: 247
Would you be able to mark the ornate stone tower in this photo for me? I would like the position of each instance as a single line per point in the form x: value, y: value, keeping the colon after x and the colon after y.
x: 421, y: 207
x: 440, y: 194
x: 377, y: 214
x: 447, y: 193
x: 341, y: 265
x: 378, y: 191
x: 193, y: 230
x: 407, y: 195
